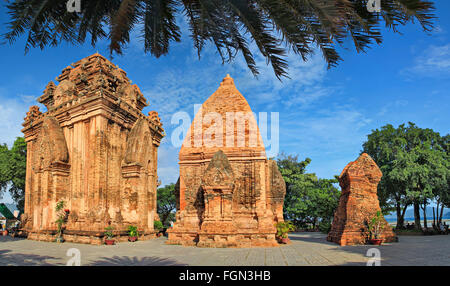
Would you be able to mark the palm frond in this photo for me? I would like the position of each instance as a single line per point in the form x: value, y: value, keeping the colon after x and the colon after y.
x: 121, y: 24
x: 274, y: 26
x: 160, y: 26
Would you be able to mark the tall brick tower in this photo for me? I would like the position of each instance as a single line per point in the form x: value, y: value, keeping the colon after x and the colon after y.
x: 228, y: 193
x: 95, y: 150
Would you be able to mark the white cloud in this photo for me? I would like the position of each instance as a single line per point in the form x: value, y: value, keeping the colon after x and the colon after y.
x: 433, y: 62
x: 12, y: 113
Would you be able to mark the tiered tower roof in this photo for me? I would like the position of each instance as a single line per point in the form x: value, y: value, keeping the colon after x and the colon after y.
x: 240, y: 137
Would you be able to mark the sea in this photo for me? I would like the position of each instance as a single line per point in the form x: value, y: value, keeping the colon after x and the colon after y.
x: 393, y: 220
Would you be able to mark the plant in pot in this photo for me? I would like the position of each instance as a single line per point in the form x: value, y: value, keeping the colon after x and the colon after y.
x: 109, y: 235
x: 132, y: 233
x: 283, y: 228
x: 60, y: 221
x: 158, y: 226
x: 376, y: 227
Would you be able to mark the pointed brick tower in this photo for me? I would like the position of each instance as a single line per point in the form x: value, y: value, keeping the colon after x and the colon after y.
x: 228, y: 193
x: 358, y: 203
x: 95, y: 150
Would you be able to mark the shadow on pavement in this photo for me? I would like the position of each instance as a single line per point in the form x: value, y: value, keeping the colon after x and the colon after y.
x: 10, y: 239
x: 412, y: 250
x: 7, y: 257
x: 135, y: 261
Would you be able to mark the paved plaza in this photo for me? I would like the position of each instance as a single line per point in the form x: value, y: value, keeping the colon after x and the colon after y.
x: 305, y: 249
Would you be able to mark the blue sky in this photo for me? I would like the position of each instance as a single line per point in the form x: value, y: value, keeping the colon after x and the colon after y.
x: 324, y: 114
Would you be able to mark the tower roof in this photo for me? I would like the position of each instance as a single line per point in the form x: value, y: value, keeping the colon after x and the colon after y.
x: 224, y: 122
x: 86, y: 77
x: 90, y: 81
x: 363, y: 167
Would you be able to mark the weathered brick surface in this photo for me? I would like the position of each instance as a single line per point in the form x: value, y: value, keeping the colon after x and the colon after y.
x: 94, y: 149
x: 358, y: 203
x: 228, y: 193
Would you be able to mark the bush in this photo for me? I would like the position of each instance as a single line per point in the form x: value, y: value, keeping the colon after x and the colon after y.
x: 283, y: 228
x: 158, y: 225
x: 325, y: 226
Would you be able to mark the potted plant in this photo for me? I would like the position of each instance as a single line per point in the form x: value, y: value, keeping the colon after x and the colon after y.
x: 132, y: 233
x: 109, y: 235
x: 283, y: 228
x: 376, y: 227
x: 60, y: 221
x: 158, y: 226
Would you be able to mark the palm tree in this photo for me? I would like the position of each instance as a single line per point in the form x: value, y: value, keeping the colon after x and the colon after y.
x: 231, y: 25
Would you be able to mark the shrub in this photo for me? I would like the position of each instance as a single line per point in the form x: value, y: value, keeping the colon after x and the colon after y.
x: 133, y: 231
x: 325, y: 226
x: 158, y: 225
x: 283, y: 228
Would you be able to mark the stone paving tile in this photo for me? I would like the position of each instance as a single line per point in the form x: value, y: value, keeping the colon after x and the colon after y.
x: 305, y: 249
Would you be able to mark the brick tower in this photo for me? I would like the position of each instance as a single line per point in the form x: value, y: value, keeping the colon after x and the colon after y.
x: 228, y: 193
x: 358, y: 203
x: 95, y: 150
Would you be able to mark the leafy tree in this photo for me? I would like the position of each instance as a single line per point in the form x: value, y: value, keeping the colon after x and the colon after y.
x: 13, y: 170
x: 231, y: 25
x: 18, y: 171
x: 414, y: 165
x: 326, y: 199
x: 308, y: 200
x: 441, y: 190
x: 5, y: 171
x: 166, y: 203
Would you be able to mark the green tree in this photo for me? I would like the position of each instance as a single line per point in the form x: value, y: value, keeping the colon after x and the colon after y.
x: 5, y: 170
x: 414, y: 165
x: 166, y: 203
x: 441, y: 185
x: 18, y: 172
x: 13, y: 170
x: 308, y: 200
x: 230, y: 25
x: 326, y: 199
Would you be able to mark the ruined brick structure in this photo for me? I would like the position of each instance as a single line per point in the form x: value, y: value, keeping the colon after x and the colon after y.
x: 358, y: 203
x: 95, y: 150
x: 228, y: 193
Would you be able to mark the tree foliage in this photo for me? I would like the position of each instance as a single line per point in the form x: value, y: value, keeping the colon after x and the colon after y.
x: 309, y: 200
x: 13, y: 170
x: 415, y: 166
x: 166, y: 204
x: 274, y: 26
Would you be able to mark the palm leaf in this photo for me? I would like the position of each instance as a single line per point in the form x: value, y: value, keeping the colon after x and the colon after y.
x: 274, y: 26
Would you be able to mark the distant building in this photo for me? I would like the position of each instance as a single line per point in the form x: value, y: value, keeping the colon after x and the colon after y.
x: 7, y: 213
